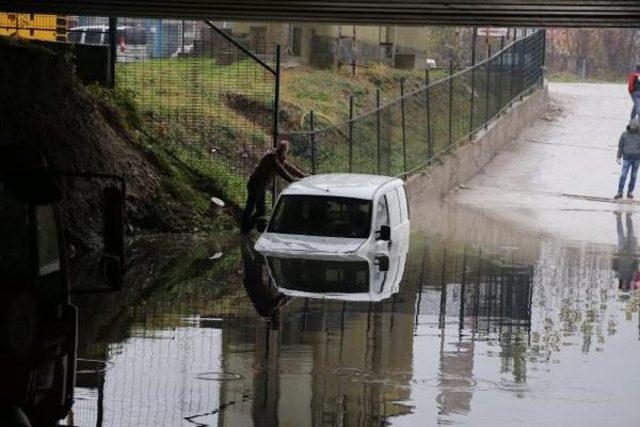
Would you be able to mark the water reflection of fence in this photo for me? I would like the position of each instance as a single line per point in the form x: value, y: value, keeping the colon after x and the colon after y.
x: 411, y: 131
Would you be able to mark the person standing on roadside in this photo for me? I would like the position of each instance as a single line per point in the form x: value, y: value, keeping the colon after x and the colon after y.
x: 272, y: 164
x: 629, y: 156
x: 633, y: 83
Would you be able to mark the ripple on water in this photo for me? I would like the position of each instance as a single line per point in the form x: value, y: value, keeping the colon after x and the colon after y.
x: 218, y: 376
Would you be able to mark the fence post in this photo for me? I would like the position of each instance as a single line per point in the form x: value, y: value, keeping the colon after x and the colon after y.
x: 378, y: 130
x: 512, y: 59
x: 350, y: 133
x: 522, y: 69
x: 473, y: 80
x: 450, y: 101
x: 428, y: 105
x: 499, y: 77
x: 312, y: 138
x: 113, y: 52
x: 404, y: 132
x: 276, y: 101
x: 544, y: 57
x: 486, y: 109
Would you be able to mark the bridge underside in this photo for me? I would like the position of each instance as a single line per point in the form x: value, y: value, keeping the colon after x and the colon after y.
x: 538, y: 13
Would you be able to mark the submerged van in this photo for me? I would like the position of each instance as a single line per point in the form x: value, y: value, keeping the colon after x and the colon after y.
x: 333, y: 214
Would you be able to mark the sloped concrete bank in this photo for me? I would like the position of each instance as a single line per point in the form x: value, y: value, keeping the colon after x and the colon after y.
x: 460, y: 166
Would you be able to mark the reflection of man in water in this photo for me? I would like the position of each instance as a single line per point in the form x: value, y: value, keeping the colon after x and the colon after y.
x: 626, y: 263
x: 266, y: 300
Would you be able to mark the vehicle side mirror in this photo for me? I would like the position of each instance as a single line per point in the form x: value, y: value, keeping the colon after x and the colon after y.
x: 383, y: 263
x: 385, y: 233
x: 113, y: 255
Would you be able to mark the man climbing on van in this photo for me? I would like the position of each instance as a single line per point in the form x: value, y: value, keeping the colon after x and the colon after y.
x: 274, y: 162
x: 633, y: 83
x: 629, y: 156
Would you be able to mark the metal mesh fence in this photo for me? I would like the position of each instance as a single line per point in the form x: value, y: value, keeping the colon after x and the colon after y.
x: 409, y: 132
x: 206, y: 93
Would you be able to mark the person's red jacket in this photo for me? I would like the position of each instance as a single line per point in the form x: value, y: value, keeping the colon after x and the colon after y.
x: 632, y: 81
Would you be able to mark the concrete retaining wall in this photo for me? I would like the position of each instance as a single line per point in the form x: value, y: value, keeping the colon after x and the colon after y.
x: 469, y: 159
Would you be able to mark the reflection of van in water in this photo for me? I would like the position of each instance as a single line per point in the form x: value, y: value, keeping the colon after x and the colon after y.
x: 366, y: 215
x: 347, y: 278
x: 132, y: 40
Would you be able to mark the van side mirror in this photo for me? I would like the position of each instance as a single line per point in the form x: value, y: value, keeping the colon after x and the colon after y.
x: 385, y: 233
x: 383, y: 263
x: 113, y: 220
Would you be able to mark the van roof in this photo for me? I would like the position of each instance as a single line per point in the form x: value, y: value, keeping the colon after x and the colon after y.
x: 357, y: 186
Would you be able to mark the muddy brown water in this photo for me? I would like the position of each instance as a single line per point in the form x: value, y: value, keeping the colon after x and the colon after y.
x: 525, y: 330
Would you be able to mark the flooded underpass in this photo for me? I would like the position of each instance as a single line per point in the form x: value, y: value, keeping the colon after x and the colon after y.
x: 521, y: 329
x: 513, y: 307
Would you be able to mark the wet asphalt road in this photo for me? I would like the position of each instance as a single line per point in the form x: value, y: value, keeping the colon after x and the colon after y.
x: 509, y: 311
x: 559, y: 177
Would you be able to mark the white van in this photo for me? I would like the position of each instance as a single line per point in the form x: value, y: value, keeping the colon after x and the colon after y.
x: 132, y: 40
x: 338, y: 277
x: 339, y: 214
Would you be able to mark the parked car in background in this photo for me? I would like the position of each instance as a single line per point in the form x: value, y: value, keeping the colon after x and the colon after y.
x: 339, y: 214
x: 132, y: 40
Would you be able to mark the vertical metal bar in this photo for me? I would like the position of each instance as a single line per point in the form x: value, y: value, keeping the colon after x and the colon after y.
x: 113, y: 52
x: 473, y: 80
x: 486, y: 108
x: 499, y: 77
x: 544, y: 57
x: 404, y: 131
x: 378, y: 130
x: 276, y: 101
x: 350, y: 133
x: 276, y: 114
x: 428, y: 105
x: 450, y: 131
x: 512, y: 59
x: 522, y: 43
x: 182, y: 38
x: 312, y: 138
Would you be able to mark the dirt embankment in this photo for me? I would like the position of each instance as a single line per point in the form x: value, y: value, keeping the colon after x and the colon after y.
x: 43, y: 106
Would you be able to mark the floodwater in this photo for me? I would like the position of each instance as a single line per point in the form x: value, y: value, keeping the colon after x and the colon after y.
x: 516, y: 307
x: 527, y: 330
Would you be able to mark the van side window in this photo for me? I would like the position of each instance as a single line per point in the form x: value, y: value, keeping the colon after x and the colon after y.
x: 404, y: 209
x: 394, y: 207
x: 382, y: 213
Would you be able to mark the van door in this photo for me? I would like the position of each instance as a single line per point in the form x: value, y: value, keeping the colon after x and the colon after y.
x: 381, y: 218
x: 395, y: 217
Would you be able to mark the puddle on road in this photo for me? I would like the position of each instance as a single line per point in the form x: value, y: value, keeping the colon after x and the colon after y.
x: 532, y: 332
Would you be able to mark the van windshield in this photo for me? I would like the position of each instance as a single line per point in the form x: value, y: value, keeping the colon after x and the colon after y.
x: 322, y: 216
x: 320, y: 276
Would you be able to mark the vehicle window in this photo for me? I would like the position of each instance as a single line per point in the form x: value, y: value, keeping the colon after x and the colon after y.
x: 74, y: 36
x: 48, y: 256
x: 322, y: 216
x: 135, y: 36
x: 394, y: 207
x: 382, y: 213
x: 14, y: 229
x: 319, y: 275
x: 404, y: 208
x: 93, y: 37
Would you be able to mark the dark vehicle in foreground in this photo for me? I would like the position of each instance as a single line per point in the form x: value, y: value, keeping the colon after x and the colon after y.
x: 38, y: 322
